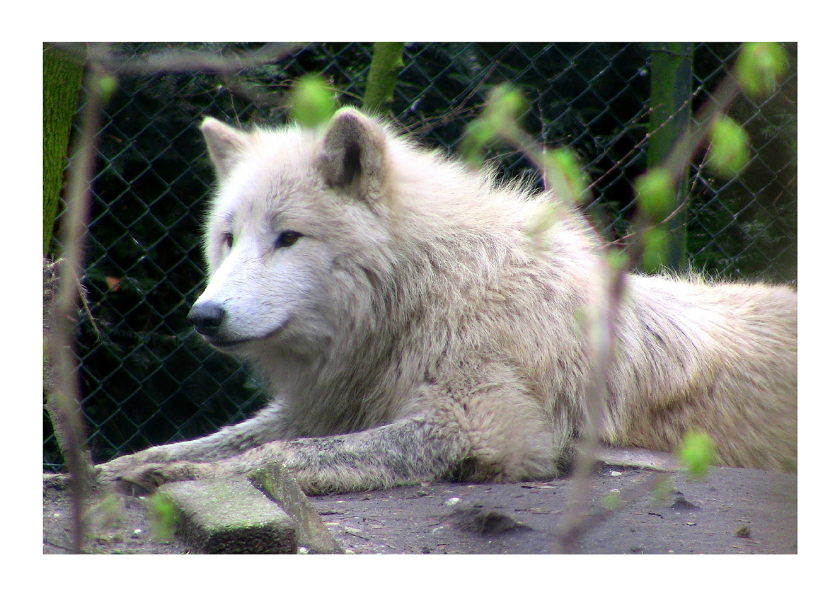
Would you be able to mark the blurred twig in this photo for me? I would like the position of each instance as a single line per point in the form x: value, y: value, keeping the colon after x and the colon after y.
x: 499, y: 119
x: 181, y: 60
x: 101, y: 68
x: 602, y: 329
x: 64, y: 402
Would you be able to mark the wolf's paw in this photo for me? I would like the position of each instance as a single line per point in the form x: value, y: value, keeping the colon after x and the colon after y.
x: 130, y: 476
x: 110, y: 475
x: 148, y: 477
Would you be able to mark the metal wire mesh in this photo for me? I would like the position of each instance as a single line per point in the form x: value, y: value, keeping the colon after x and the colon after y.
x: 147, y: 379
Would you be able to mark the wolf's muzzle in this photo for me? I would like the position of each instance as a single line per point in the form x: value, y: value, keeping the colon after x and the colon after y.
x: 207, y: 318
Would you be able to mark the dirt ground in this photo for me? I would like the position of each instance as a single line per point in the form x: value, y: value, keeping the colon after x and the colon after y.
x: 731, y: 511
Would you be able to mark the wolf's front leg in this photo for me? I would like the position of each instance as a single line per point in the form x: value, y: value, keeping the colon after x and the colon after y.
x: 405, y: 452
x: 270, y: 424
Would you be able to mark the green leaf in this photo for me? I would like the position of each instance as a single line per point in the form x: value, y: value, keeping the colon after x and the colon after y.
x: 312, y: 101
x: 612, y: 501
x: 163, y: 515
x: 565, y: 175
x: 617, y: 259
x: 108, y: 85
x: 657, y: 194
x: 655, y: 241
x: 477, y: 137
x: 546, y: 217
x: 505, y: 105
x: 759, y: 68
x: 697, y: 453
x: 729, y: 149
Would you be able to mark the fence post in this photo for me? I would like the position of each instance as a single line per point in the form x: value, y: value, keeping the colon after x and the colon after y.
x: 670, y: 104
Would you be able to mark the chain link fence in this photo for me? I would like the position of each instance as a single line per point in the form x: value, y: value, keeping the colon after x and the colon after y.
x: 148, y: 379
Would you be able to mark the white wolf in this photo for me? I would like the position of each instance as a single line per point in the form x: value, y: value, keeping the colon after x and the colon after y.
x: 410, y: 329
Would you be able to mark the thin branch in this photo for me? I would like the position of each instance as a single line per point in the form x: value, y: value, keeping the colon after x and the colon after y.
x: 689, y: 143
x: 693, y: 139
x: 573, y: 533
x: 64, y: 402
x: 181, y: 60
x: 601, y: 328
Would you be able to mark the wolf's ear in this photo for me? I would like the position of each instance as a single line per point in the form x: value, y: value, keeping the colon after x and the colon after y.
x: 224, y: 143
x: 353, y: 155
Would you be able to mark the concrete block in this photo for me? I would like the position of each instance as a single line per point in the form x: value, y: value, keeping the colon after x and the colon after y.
x: 284, y: 490
x: 229, y: 515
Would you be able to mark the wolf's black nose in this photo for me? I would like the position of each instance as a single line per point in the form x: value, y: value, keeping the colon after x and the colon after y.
x: 206, y: 317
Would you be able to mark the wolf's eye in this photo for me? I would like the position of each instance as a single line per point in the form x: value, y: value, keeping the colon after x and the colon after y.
x: 287, y: 238
x: 227, y: 238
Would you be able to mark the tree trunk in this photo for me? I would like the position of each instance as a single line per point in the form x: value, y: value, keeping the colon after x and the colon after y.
x: 62, y: 82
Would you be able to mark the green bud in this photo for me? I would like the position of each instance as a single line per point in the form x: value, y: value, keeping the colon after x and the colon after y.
x: 505, y: 105
x: 657, y: 194
x: 612, y: 501
x: 107, y: 87
x: 312, y: 101
x: 662, y: 489
x: 565, y: 175
x: 697, y: 453
x: 655, y: 241
x: 477, y: 137
x: 759, y: 68
x: 546, y: 217
x: 729, y: 148
x: 163, y: 515
x: 617, y: 259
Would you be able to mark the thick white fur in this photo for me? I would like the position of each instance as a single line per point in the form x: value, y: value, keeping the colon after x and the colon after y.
x: 417, y: 291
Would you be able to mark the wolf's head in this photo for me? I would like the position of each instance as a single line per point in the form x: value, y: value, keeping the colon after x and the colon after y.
x: 296, y: 236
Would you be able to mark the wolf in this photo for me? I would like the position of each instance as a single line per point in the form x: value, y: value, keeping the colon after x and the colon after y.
x: 410, y: 328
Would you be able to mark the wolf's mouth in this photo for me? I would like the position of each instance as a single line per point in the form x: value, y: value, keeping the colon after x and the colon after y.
x: 222, y: 344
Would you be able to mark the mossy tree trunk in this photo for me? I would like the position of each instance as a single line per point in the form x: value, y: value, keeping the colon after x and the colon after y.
x: 382, y: 78
x: 62, y: 82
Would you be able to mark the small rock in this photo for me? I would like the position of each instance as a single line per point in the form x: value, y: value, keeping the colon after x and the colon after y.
x: 682, y: 503
x: 485, y: 523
